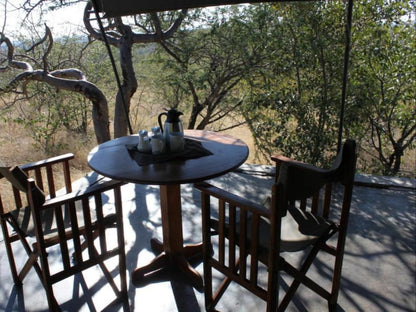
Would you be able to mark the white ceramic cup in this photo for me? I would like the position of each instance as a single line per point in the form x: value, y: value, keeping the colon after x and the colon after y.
x: 158, y: 145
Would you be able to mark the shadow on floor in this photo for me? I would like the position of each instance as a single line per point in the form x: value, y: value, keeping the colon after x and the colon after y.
x: 378, y: 273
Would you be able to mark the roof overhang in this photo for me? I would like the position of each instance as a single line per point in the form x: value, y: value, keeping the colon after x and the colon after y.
x: 113, y: 8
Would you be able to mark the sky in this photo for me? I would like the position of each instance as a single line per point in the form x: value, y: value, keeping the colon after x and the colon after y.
x: 61, y: 22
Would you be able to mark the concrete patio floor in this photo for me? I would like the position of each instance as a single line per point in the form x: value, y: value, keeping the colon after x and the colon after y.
x: 378, y: 272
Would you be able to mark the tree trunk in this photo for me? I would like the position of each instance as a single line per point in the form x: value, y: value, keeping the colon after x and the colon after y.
x: 196, y: 109
x: 129, y: 85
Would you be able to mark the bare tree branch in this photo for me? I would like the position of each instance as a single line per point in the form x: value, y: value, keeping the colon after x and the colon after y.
x: 10, y: 56
x: 48, y: 35
x: 70, y: 79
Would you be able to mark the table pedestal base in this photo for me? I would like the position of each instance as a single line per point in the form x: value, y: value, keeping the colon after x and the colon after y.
x: 173, y: 257
x: 165, y: 265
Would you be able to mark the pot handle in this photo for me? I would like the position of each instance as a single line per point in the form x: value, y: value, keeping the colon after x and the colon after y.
x: 159, y: 119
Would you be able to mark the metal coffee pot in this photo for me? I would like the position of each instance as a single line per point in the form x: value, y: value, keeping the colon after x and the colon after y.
x: 172, y: 130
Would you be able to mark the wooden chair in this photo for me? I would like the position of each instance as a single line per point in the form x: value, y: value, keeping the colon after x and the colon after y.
x: 76, y: 224
x: 247, y: 236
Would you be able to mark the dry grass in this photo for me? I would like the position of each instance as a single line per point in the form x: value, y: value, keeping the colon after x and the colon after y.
x: 244, y: 134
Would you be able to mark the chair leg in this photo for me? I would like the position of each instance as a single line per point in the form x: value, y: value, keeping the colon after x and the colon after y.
x: 273, y: 297
x: 336, y: 279
x: 297, y: 279
x: 208, y: 285
x: 333, y: 299
x: 44, y: 275
x: 336, y: 282
x: 211, y: 299
x: 332, y: 307
x: 52, y: 303
x: 120, y: 241
x: 123, y: 274
x: 32, y: 254
x: 9, y: 252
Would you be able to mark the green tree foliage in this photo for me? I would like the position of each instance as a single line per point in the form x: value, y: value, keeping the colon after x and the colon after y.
x: 280, y: 66
x: 203, y: 68
x: 295, y: 109
x: 383, y: 83
x: 45, y: 115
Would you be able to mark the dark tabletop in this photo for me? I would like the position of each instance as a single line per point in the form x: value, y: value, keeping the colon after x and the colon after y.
x: 112, y: 159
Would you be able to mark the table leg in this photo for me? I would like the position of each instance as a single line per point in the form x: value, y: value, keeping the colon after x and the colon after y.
x: 173, y: 255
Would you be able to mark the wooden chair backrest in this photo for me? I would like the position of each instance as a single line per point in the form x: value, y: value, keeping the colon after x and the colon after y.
x: 45, y: 173
x: 297, y: 181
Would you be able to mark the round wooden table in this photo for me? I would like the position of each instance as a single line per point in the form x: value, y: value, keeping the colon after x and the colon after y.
x: 112, y: 159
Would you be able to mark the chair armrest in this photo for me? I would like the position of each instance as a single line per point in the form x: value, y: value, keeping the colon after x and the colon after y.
x: 294, y: 163
x: 48, y: 161
x: 95, y: 189
x: 16, y: 176
x: 233, y: 199
x: 279, y: 159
